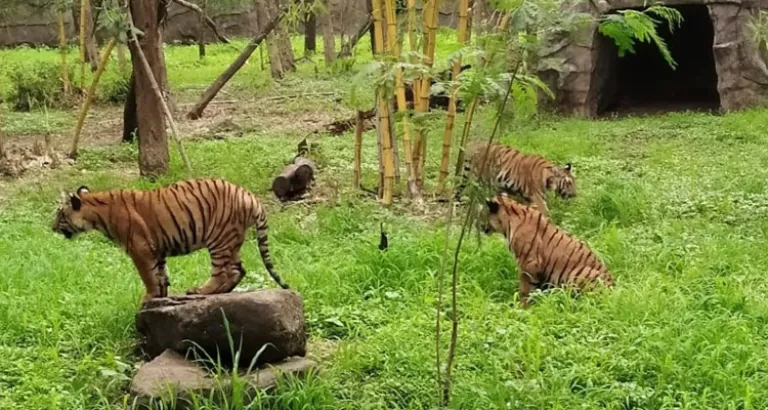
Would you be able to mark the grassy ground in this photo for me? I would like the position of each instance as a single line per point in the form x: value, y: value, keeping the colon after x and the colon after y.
x: 676, y: 206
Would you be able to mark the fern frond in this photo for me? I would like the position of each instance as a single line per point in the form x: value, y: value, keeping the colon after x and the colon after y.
x: 630, y: 26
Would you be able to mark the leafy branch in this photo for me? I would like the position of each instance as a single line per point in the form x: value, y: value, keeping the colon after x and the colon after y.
x: 627, y: 27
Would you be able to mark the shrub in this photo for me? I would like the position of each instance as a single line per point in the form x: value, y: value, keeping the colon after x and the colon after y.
x: 35, y: 85
x: 114, y: 85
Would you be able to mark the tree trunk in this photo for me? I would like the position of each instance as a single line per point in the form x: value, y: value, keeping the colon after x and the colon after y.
x: 201, y: 31
x: 63, y: 52
x: 371, y: 30
x: 346, y: 48
x: 197, y: 111
x: 273, y: 52
x: 130, y: 120
x: 329, y: 41
x: 153, y: 141
x: 310, y: 34
x: 286, y: 48
x: 91, y: 48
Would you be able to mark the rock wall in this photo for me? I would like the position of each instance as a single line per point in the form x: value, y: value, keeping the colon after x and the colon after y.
x: 29, y: 26
x: 573, y: 65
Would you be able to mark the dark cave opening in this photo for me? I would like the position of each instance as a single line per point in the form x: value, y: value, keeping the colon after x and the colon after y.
x: 644, y: 83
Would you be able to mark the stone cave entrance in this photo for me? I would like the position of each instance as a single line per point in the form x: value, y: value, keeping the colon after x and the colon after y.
x: 643, y: 83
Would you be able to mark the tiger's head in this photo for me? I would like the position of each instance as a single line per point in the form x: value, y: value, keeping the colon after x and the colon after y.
x: 562, y: 181
x: 495, y: 215
x: 69, y: 216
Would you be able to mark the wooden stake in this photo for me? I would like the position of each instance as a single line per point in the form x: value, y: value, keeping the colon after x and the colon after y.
x: 358, y: 149
x: 89, y: 97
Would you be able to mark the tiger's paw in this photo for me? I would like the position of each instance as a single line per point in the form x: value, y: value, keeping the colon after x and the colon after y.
x: 193, y: 291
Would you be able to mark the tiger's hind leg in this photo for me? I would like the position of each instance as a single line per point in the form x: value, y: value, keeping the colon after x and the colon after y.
x: 221, y: 278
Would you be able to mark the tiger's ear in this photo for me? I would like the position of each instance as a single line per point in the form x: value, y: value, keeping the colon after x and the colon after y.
x: 568, y: 167
x: 83, y: 190
x: 493, y: 206
x: 75, y: 201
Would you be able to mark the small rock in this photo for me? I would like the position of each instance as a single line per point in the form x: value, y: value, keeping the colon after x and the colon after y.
x: 268, y: 319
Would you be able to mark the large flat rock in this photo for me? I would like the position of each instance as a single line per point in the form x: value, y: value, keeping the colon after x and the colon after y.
x: 172, y: 377
x: 266, y: 326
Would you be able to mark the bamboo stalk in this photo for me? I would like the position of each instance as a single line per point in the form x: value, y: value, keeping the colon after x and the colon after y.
x: 394, y: 51
x: 89, y: 97
x: 422, y: 104
x: 63, y: 52
x: 393, y: 142
x: 470, y: 113
x: 358, y: 149
x: 83, y: 8
x: 451, y: 116
x: 383, y: 109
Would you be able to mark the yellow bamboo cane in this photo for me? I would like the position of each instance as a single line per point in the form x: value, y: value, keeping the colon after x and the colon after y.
x: 89, y: 97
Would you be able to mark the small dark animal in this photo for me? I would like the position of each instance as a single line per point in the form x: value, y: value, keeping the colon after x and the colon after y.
x: 383, y: 242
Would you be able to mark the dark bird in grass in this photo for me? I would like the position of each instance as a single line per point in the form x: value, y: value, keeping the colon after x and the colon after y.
x: 383, y: 242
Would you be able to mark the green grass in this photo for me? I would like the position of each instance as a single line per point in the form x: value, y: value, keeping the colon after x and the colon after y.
x: 676, y: 205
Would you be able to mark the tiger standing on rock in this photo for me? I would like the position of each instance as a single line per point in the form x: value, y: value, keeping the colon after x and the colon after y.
x: 546, y: 256
x: 170, y: 221
x: 509, y: 170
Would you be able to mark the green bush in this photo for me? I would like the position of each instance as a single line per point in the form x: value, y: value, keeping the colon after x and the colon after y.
x: 35, y: 85
x: 114, y: 85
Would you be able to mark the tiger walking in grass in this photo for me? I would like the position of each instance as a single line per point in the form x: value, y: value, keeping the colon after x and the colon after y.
x: 174, y: 220
x: 515, y: 173
x: 546, y: 256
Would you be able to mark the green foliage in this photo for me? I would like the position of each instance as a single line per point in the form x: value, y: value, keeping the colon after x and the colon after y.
x: 114, y: 85
x: 627, y: 27
x: 35, y: 84
x: 759, y: 27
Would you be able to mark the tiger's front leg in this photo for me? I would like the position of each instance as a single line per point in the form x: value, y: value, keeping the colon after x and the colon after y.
x: 153, y: 273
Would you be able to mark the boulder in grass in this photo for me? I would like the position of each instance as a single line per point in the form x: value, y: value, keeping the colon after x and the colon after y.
x: 171, y: 376
x: 266, y: 326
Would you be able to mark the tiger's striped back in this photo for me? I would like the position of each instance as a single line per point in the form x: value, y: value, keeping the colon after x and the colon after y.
x: 509, y: 170
x: 546, y: 255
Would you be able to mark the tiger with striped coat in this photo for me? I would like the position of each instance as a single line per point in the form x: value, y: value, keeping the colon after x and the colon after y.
x: 174, y: 220
x: 515, y: 173
x: 546, y: 256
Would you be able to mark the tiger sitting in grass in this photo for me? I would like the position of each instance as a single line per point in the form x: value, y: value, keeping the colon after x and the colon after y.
x: 170, y: 221
x: 515, y: 173
x: 546, y: 256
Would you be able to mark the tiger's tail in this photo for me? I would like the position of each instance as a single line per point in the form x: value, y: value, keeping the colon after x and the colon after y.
x: 261, y: 230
